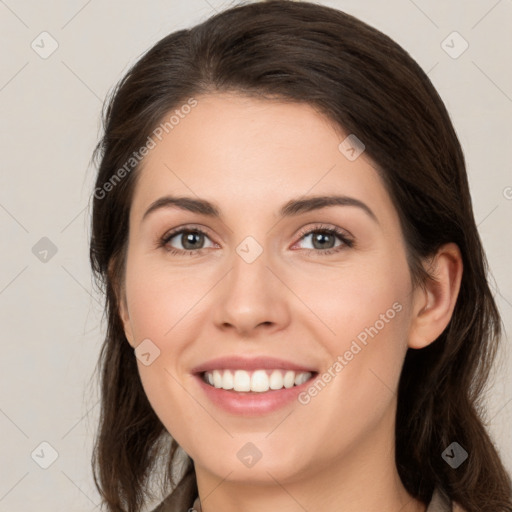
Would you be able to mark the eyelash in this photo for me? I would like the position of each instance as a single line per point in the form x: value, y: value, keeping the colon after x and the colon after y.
x: 341, y: 235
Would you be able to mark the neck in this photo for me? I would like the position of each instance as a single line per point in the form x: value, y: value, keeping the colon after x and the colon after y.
x: 364, y: 478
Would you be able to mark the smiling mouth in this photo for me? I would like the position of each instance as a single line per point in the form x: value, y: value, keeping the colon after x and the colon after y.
x: 257, y: 381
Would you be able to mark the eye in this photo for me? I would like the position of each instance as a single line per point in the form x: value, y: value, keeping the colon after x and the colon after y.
x: 323, y: 240
x: 191, y: 240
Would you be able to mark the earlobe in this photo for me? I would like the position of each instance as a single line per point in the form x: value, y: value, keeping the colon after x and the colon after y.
x: 433, y: 307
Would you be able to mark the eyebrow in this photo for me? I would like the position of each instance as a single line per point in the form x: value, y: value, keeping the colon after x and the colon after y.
x: 291, y: 208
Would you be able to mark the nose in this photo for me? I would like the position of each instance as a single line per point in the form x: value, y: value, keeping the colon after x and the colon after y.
x: 251, y: 299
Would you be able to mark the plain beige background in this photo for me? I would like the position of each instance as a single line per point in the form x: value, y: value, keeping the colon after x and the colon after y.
x: 50, y: 120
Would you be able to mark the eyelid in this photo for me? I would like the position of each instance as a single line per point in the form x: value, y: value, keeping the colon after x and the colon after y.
x: 186, y: 227
x: 324, y: 227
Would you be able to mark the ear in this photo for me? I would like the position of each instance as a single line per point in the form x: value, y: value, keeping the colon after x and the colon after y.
x: 433, y: 307
x: 121, y: 303
x: 125, y: 319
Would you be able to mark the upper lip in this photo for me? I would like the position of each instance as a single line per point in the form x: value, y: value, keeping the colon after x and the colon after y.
x: 250, y: 364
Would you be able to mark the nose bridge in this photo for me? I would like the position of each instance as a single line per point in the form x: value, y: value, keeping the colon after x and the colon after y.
x: 249, y: 277
x: 250, y: 294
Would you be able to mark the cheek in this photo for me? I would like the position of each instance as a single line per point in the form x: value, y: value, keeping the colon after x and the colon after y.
x: 162, y: 304
x: 360, y: 300
x: 160, y: 298
x: 366, y: 310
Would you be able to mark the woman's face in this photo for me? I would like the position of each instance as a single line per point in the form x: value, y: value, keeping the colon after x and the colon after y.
x: 268, y: 279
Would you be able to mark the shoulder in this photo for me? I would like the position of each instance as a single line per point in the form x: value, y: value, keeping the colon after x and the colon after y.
x: 182, y: 496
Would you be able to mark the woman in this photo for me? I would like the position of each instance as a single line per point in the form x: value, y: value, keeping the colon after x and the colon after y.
x: 343, y: 374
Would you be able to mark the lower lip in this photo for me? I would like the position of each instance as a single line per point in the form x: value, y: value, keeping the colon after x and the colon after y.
x: 252, y: 403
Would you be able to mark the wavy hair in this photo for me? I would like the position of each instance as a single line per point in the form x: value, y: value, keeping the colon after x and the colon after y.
x: 368, y: 85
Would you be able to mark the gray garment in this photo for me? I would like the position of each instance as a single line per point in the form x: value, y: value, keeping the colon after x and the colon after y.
x: 439, y: 502
x: 185, y: 496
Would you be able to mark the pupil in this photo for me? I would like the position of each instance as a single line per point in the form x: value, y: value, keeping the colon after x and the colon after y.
x: 320, y: 237
x: 189, y: 239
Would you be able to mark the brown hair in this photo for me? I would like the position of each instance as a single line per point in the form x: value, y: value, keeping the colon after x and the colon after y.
x: 368, y: 85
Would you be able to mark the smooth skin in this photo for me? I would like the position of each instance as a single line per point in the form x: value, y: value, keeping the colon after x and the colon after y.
x: 249, y: 157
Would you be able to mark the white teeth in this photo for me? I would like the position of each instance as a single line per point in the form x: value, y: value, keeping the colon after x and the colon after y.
x: 242, y: 381
x: 227, y: 380
x: 300, y: 378
x: 289, y: 378
x: 217, y: 379
x: 258, y: 381
x: 276, y: 380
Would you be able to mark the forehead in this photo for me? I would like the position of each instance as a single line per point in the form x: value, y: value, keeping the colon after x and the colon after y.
x: 243, y: 152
